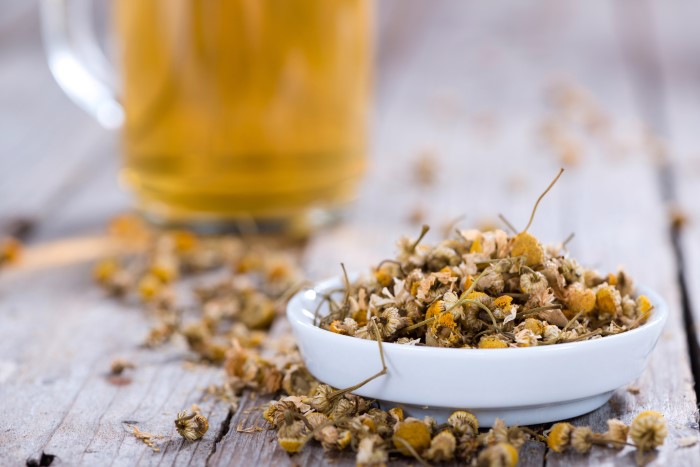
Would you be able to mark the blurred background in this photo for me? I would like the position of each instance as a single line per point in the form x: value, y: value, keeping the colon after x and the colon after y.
x: 473, y: 108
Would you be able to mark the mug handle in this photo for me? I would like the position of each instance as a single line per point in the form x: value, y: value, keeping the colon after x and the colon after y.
x: 76, y: 61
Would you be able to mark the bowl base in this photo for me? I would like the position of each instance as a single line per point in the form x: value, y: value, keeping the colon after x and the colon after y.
x: 524, y: 415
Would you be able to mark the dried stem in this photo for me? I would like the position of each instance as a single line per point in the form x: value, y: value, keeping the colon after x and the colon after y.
x: 413, y: 452
x: 423, y: 231
x: 571, y: 321
x: 508, y: 224
x: 382, y: 372
x: 568, y: 239
x: 537, y: 203
x: 419, y: 324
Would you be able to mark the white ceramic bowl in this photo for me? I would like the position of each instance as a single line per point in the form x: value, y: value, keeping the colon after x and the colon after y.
x: 522, y: 386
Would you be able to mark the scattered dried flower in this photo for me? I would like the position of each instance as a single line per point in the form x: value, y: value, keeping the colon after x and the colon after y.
x: 648, y: 430
x: 498, y: 455
x: 411, y: 434
x: 191, y: 426
x: 147, y: 438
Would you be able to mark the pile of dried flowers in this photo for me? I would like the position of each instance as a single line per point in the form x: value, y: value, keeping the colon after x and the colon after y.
x: 485, y: 290
x: 246, y: 286
x: 337, y: 420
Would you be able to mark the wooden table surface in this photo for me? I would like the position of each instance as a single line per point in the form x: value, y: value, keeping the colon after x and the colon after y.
x: 469, y: 82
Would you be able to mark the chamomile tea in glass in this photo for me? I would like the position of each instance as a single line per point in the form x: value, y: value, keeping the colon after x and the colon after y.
x: 236, y: 110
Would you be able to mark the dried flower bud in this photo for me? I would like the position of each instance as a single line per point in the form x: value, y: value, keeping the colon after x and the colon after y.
x: 344, y: 439
x: 442, y: 447
x: 498, y: 455
x: 648, y: 430
x: 119, y: 365
x: 397, y: 414
x: 149, y: 286
x: 535, y: 326
x: 321, y: 400
x: 525, y: 244
x: 617, y: 433
x: 291, y: 437
x: 643, y: 307
x: 165, y: 268
x: 608, y: 302
x: 414, y: 433
x: 463, y: 423
x: 559, y: 436
x: 579, y: 299
x: 582, y: 439
x: 191, y: 426
x: 526, y: 338
x: 533, y: 282
x: 104, y: 271
x: 10, y: 250
x: 551, y: 333
x: 371, y: 452
x: 492, y: 342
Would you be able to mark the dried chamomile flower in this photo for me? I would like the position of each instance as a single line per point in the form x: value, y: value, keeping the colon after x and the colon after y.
x: 411, y: 436
x: 10, y: 250
x: 396, y: 413
x: 559, y: 436
x: 643, y: 307
x: 526, y: 338
x: 492, y: 342
x: 535, y: 326
x: 191, y: 426
x: 443, y: 332
x: 532, y: 281
x: 648, y: 430
x: 442, y: 447
x: 389, y: 322
x: 104, y: 270
x: 119, y: 365
x: 500, y: 433
x: 164, y: 267
x: 292, y: 437
x: 580, y: 299
x: 149, y: 287
x: 321, y: 399
x: 491, y: 282
x: 498, y: 455
x: 551, y: 334
x: 582, y: 439
x: 463, y: 423
x: 298, y: 381
x: 608, y: 302
x: 285, y: 410
x: 525, y: 244
x: 371, y: 451
x: 616, y: 434
x: 343, y: 407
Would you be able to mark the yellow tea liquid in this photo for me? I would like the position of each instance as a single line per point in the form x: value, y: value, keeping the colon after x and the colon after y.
x: 243, y: 108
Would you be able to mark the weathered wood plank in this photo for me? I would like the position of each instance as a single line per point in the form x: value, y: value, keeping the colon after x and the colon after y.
x: 47, y: 145
x: 56, y: 350
x: 678, y: 51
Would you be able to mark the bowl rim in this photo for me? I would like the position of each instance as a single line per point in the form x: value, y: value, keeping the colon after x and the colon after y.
x: 297, y: 317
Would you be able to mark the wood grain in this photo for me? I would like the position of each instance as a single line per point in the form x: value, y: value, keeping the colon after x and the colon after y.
x: 678, y: 51
x: 464, y: 81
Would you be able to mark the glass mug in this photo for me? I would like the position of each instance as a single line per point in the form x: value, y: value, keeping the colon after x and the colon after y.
x: 231, y: 110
